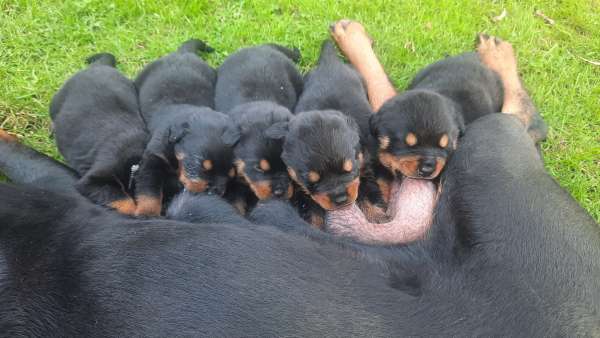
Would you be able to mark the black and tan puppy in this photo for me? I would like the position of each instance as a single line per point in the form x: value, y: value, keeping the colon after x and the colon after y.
x: 322, y: 151
x: 258, y: 159
x: 176, y: 93
x: 415, y: 132
x: 99, y: 131
x: 258, y: 73
x: 334, y: 85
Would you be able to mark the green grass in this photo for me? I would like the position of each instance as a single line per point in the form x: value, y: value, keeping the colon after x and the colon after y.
x: 43, y: 43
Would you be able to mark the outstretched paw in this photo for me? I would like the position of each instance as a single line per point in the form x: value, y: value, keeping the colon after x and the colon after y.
x: 497, y: 55
x: 349, y: 34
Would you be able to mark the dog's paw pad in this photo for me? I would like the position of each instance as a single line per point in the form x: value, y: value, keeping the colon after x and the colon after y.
x: 496, y: 54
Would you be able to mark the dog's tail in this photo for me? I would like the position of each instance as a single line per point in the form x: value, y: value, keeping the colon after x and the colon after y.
x: 106, y: 59
x: 328, y: 53
x: 292, y: 54
x: 195, y: 45
x: 23, y: 164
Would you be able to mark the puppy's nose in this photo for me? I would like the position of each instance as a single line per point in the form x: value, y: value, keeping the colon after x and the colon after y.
x: 427, y: 167
x: 278, y: 192
x: 339, y: 199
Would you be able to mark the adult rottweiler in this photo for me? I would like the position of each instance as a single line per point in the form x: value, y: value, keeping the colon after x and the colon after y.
x: 509, y: 253
x: 99, y: 131
x: 176, y: 94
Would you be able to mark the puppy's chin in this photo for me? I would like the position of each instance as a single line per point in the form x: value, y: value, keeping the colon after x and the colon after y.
x: 408, y: 166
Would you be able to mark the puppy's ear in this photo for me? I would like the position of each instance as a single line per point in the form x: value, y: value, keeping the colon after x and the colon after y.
x: 277, y: 131
x: 374, y: 123
x: 232, y: 135
x: 178, y: 131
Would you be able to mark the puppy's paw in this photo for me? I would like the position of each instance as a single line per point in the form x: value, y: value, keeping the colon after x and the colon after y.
x: 497, y: 55
x: 350, y: 35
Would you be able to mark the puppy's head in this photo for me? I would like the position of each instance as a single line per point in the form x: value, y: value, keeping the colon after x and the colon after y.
x: 258, y: 159
x: 205, y: 162
x: 414, y: 133
x: 322, y: 152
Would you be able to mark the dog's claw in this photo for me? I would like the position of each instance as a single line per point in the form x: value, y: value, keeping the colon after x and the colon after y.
x: 486, y: 36
x: 344, y: 24
x: 477, y: 38
x: 332, y: 27
x: 497, y: 40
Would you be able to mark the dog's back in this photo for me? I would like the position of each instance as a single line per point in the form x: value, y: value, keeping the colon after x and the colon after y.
x: 181, y: 77
x: 334, y: 85
x: 258, y: 73
x: 475, y: 89
x: 93, y: 108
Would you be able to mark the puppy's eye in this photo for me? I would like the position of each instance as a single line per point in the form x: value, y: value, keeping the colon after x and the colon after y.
x: 258, y: 168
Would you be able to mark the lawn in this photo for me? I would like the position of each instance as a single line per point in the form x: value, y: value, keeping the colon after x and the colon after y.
x: 43, y: 43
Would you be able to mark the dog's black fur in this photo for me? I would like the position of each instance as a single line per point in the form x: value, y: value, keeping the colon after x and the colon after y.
x: 510, y: 254
x: 423, y: 123
x: 258, y: 73
x: 176, y: 94
x: 334, y: 85
x: 258, y: 159
x: 99, y: 131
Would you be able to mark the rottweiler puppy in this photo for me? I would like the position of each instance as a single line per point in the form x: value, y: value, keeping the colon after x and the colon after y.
x: 322, y: 152
x: 176, y: 94
x: 99, y: 131
x: 258, y: 73
x: 258, y: 159
x: 334, y: 85
x: 415, y: 132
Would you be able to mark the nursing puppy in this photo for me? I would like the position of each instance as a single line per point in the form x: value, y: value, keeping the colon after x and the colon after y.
x: 322, y: 152
x: 258, y: 159
x: 99, y: 131
x: 334, y: 85
x: 258, y: 73
x: 415, y: 132
x: 176, y: 94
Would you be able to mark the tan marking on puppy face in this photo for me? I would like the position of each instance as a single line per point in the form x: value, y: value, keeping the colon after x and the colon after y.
x: 262, y: 189
x: 124, y: 206
x: 197, y: 186
x: 231, y: 173
x: 384, y: 142
x: 352, y: 189
x: 454, y: 144
x: 360, y: 157
x: 264, y: 165
x: 207, y: 164
x: 289, y: 192
x: 386, y: 189
x: 406, y: 165
x: 313, y: 176
x: 438, y: 167
x: 180, y: 156
x: 148, y: 205
x: 411, y: 139
x: 324, y: 201
x: 444, y: 141
x: 348, y: 165
x: 292, y: 174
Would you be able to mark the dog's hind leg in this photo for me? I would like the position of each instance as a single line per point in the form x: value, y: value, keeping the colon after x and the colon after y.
x: 356, y: 44
x: 500, y: 56
x: 23, y: 164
